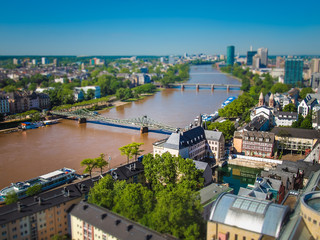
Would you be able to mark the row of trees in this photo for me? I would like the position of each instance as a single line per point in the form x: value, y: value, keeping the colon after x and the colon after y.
x: 131, y: 150
x: 253, y: 83
x: 92, y: 163
x: 171, y: 203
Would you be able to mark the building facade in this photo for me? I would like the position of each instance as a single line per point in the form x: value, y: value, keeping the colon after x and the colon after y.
x: 92, y: 222
x: 230, y: 55
x: 263, y: 54
x: 22, y: 101
x: 293, y: 71
x: 295, y: 139
x: 250, y: 55
x: 4, y: 103
x: 285, y: 118
x: 39, y: 217
x: 187, y: 144
x: 215, y: 144
x: 253, y: 143
x: 194, y: 143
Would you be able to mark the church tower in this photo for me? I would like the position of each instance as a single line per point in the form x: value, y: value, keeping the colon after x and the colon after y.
x: 261, y: 102
x: 271, y: 100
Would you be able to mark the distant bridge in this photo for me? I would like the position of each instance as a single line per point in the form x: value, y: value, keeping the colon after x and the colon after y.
x: 144, y: 123
x: 198, y: 85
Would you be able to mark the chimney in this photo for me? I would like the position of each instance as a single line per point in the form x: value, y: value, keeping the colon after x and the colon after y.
x: 129, y: 227
x: 118, y: 221
x: 103, y: 216
x: 148, y: 237
x: 40, y: 200
x: 19, y: 206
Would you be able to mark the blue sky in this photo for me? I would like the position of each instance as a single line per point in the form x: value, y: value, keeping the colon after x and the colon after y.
x: 158, y: 27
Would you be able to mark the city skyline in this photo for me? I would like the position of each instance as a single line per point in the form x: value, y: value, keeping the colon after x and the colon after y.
x: 144, y: 28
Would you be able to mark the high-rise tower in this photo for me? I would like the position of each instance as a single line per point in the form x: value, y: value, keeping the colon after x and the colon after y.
x: 230, y: 55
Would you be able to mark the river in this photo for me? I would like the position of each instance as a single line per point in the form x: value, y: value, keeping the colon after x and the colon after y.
x: 28, y: 154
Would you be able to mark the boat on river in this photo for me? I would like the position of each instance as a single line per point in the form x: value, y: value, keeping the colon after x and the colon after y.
x: 46, y: 181
x: 228, y: 101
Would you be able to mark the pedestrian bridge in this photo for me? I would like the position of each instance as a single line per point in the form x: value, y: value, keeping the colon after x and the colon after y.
x: 143, y: 123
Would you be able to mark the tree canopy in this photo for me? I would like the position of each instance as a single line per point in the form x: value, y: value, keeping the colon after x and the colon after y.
x: 33, y: 190
x: 290, y: 108
x: 237, y: 107
x: 171, y: 206
x: 130, y: 150
x: 11, y: 197
x: 303, y: 93
x: 226, y: 127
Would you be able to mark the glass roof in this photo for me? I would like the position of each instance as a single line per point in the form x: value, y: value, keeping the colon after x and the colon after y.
x: 251, y: 206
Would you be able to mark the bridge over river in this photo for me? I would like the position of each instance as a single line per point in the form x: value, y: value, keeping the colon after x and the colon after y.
x: 144, y: 123
x: 203, y: 85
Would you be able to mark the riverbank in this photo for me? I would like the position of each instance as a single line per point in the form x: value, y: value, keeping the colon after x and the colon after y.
x: 230, y: 75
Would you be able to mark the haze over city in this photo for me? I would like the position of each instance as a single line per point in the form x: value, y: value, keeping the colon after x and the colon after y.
x: 161, y: 28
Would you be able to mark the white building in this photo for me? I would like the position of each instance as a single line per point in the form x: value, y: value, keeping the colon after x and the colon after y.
x: 215, y: 144
x: 44, y: 61
x: 262, y: 111
x: 285, y: 118
x: 58, y: 80
x: 188, y: 144
x: 80, y: 91
x: 306, y: 105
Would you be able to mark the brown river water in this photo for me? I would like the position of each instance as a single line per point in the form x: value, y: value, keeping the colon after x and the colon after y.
x: 28, y: 154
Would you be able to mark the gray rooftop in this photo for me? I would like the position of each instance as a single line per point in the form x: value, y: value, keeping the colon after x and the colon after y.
x: 185, y: 139
x: 212, y: 192
x: 296, y: 132
x: 114, y: 224
x: 258, y: 216
x: 213, y: 135
x: 200, y: 165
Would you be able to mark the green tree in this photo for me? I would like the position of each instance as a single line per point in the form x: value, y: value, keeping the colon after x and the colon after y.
x: 90, y: 94
x: 135, y: 202
x: 33, y: 190
x: 90, y: 164
x: 60, y: 237
x: 178, y: 212
x: 307, y: 122
x: 126, y: 150
x: 297, y: 123
x: 280, y: 88
x: 100, y: 162
x: 135, y: 149
x: 120, y: 93
x: 226, y: 127
x: 168, y: 170
x: 290, y: 108
x: 32, y: 87
x: 102, y: 193
x: 303, y: 93
x: 11, y: 197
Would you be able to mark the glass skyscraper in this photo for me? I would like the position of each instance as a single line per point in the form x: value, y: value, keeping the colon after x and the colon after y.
x: 293, y: 71
x: 230, y: 55
x: 250, y: 55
